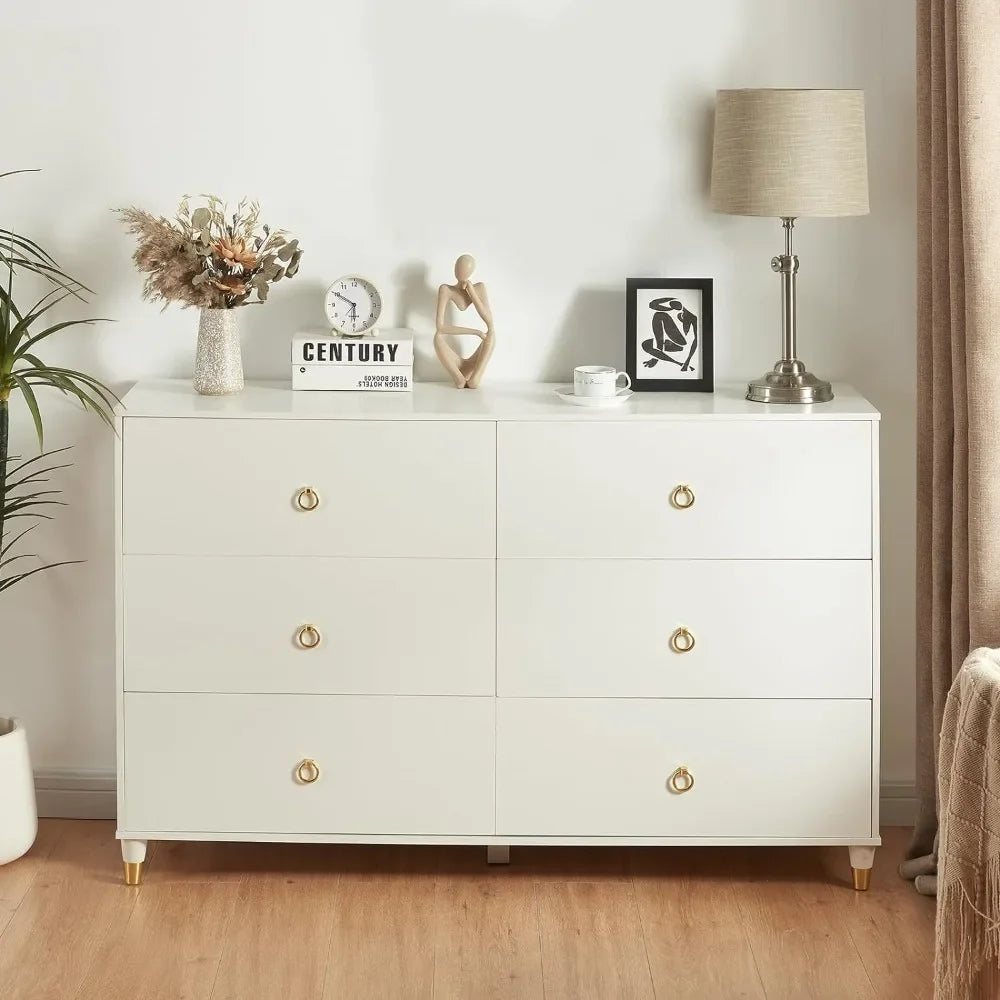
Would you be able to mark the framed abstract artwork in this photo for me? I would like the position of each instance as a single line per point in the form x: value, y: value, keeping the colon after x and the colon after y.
x: 668, y: 334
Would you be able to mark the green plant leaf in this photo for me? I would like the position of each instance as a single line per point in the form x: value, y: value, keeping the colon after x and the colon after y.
x: 37, y: 478
x: 11, y: 580
x: 11, y: 238
x: 96, y: 403
x: 22, y: 350
x: 286, y: 252
x: 32, y: 402
x: 9, y: 545
x: 201, y: 218
x: 22, y: 464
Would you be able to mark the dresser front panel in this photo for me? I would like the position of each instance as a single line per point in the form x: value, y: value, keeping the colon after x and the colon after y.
x: 596, y: 767
x: 226, y: 763
x: 761, y: 629
x: 762, y: 490
x: 387, y: 488
x: 385, y: 626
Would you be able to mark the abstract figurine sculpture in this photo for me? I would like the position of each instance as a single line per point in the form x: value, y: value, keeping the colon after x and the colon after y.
x: 466, y: 373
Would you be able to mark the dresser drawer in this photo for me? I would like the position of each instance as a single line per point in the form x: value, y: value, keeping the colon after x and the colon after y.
x: 385, y: 488
x: 242, y: 624
x: 593, y: 767
x: 760, y: 489
x: 760, y: 628
x: 202, y: 763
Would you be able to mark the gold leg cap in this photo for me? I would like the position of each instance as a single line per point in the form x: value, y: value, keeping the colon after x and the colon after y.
x: 862, y: 878
x: 133, y: 872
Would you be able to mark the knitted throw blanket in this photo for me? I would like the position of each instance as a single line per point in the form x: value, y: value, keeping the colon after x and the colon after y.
x: 968, y: 888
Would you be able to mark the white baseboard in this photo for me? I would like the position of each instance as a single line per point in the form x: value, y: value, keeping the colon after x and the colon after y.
x: 76, y: 794
x: 898, y: 805
x: 72, y: 793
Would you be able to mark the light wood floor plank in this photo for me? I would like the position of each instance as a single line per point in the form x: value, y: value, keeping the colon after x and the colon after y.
x: 278, y: 941
x: 382, y: 940
x: 74, y: 902
x: 892, y: 927
x: 695, y: 939
x: 592, y: 942
x: 192, y: 861
x: 16, y: 877
x: 792, y: 910
x: 170, y: 948
x: 486, y: 940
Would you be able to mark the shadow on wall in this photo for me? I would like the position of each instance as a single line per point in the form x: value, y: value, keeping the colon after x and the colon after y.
x: 416, y: 306
x: 295, y: 307
x: 592, y: 333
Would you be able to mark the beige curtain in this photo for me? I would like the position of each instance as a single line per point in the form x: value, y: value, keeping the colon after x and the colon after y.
x: 958, y: 372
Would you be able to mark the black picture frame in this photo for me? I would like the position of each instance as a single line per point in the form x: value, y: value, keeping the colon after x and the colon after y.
x: 652, y: 340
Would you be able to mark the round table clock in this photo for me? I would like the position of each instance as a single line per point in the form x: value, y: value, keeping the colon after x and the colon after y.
x: 353, y: 306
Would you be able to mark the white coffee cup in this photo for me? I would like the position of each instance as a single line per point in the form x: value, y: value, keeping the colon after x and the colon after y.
x: 598, y: 380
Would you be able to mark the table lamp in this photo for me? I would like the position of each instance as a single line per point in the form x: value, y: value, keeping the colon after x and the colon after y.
x: 788, y: 154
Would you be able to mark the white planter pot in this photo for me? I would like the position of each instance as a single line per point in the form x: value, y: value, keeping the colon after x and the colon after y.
x: 18, y: 814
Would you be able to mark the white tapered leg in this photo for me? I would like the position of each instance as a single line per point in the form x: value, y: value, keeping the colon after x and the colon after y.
x: 862, y: 862
x: 498, y: 855
x: 133, y: 858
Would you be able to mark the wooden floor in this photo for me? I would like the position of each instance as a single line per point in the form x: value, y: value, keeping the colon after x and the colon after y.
x: 276, y: 922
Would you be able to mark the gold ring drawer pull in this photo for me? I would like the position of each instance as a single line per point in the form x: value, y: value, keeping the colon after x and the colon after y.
x: 307, y: 772
x: 682, y: 641
x: 682, y: 497
x: 681, y: 781
x: 307, y: 499
x: 308, y: 637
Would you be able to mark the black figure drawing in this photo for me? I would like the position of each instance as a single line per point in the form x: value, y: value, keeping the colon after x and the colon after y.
x: 675, y: 332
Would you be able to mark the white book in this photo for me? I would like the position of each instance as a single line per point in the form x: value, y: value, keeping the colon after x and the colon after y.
x: 389, y: 348
x: 364, y: 378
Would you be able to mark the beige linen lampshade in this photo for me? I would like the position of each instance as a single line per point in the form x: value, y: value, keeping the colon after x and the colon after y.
x: 790, y: 153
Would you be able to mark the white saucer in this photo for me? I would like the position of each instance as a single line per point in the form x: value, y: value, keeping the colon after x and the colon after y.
x: 568, y: 396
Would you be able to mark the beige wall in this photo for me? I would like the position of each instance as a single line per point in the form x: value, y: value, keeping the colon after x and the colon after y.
x: 564, y: 142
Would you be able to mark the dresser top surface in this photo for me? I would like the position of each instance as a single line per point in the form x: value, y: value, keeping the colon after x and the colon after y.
x: 440, y: 401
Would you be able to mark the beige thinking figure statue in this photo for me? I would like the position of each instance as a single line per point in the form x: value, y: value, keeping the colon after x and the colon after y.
x: 466, y: 373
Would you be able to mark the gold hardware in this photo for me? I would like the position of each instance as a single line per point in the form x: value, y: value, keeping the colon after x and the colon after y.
x: 862, y: 878
x: 307, y: 772
x: 308, y: 637
x: 682, y: 497
x: 682, y: 780
x: 133, y: 872
x: 682, y: 641
x: 307, y: 499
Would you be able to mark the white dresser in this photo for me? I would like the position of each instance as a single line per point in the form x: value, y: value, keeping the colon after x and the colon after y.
x: 491, y: 618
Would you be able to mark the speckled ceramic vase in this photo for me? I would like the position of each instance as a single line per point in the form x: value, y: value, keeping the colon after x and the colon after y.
x: 218, y: 363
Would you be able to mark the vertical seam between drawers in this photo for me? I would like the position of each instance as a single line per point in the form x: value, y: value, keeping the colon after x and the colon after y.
x: 496, y: 608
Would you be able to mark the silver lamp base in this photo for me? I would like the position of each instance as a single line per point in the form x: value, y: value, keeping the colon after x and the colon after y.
x: 789, y: 382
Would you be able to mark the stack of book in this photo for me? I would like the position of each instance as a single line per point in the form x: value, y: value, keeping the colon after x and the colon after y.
x: 381, y: 361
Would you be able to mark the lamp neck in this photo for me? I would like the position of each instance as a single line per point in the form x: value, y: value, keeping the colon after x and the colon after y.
x: 788, y: 225
x: 787, y: 265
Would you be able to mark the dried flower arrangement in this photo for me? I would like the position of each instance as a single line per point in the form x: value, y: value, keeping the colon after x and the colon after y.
x: 209, y: 258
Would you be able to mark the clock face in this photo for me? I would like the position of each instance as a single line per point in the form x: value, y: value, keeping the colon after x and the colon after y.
x: 353, y: 305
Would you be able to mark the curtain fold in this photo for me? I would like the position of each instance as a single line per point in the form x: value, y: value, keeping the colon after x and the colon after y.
x: 958, y: 361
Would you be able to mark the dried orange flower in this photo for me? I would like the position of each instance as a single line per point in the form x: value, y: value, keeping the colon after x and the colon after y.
x: 235, y: 251
x: 230, y: 284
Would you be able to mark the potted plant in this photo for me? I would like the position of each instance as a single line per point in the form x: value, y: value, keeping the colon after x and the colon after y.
x: 216, y: 261
x: 26, y: 497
